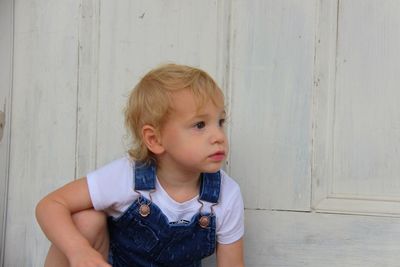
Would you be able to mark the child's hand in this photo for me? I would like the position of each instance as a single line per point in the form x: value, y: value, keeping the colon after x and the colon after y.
x: 88, y: 258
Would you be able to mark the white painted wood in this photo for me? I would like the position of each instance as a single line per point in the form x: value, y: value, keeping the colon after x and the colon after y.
x: 44, y: 113
x: 223, y: 49
x: 271, y: 100
x: 298, y: 239
x: 88, y: 87
x: 323, y: 106
x: 360, y: 124
x: 6, y: 48
x: 136, y: 36
x: 367, y: 114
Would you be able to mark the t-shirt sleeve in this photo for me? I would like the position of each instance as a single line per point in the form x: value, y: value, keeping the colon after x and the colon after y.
x: 232, y: 225
x: 110, y: 187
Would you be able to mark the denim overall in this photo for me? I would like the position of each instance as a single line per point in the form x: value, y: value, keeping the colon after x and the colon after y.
x: 143, y: 236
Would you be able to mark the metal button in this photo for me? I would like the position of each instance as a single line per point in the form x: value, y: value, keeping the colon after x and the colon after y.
x: 204, y: 221
x: 144, y: 210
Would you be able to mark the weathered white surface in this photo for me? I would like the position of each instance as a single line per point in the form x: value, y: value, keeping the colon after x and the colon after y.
x: 367, y: 113
x: 357, y: 137
x: 43, y: 119
x: 87, y: 88
x: 271, y: 102
x: 6, y: 48
x: 298, y: 239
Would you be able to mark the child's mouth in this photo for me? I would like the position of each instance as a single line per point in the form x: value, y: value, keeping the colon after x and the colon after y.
x: 219, y: 156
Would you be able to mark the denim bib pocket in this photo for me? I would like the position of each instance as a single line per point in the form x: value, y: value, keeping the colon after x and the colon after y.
x: 186, y: 247
x: 142, y: 235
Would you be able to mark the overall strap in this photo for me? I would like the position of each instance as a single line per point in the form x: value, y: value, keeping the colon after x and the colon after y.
x: 210, y: 187
x: 145, y: 176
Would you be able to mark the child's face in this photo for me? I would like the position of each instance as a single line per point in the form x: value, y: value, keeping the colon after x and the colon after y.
x: 194, y: 139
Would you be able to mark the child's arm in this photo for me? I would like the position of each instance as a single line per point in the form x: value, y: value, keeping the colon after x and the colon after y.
x: 230, y: 255
x: 54, y: 216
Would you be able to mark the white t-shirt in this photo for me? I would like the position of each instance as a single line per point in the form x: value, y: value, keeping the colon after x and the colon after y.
x: 111, y: 190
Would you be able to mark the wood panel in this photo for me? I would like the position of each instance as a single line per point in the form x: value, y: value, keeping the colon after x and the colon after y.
x: 88, y: 80
x: 6, y: 48
x: 271, y: 102
x: 299, y: 239
x: 44, y: 113
x: 357, y: 142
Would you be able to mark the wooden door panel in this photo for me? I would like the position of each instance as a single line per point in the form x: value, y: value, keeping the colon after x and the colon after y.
x: 271, y: 102
x: 357, y: 108
x: 6, y: 49
x: 44, y: 114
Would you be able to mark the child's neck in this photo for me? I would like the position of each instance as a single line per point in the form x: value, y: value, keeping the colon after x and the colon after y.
x: 180, y: 186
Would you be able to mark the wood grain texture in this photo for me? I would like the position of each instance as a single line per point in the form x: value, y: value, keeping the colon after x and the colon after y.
x: 298, y: 239
x: 357, y: 125
x: 44, y: 111
x: 367, y: 114
x: 6, y: 48
x: 271, y: 102
x: 88, y: 76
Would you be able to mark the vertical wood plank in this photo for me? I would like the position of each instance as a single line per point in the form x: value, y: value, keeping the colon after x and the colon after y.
x: 324, y: 83
x: 357, y: 125
x: 88, y: 87
x: 44, y: 119
x: 272, y: 77
x: 367, y: 124
x: 6, y: 52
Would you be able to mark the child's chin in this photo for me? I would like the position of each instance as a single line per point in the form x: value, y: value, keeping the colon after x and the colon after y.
x: 214, y: 168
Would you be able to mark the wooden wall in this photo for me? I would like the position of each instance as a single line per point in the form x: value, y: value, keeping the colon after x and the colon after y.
x: 312, y: 95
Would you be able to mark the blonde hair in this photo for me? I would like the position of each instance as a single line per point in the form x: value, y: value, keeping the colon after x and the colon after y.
x: 150, y: 101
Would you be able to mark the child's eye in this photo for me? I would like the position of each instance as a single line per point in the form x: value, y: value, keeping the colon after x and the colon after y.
x: 200, y: 125
x: 221, y: 122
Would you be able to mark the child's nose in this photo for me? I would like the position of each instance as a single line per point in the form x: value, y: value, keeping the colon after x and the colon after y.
x: 218, y: 135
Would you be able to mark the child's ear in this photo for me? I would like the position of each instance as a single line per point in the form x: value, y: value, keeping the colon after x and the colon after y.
x: 151, y: 138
